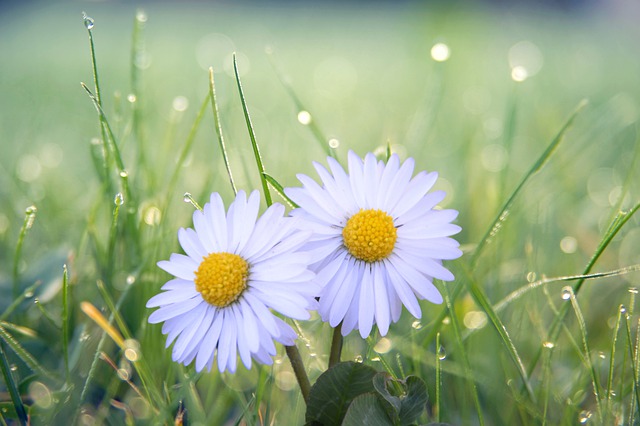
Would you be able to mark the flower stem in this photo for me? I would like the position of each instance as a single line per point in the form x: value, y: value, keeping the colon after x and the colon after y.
x: 298, y: 369
x: 336, y: 346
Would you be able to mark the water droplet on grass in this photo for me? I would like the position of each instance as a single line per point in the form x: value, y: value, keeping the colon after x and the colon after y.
x: 334, y: 143
x: 584, y: 416
x: 124, y: 174
x: 119, y: 199
x: 440, y: 52
x: 623, y: 309
x: 30, y: 212
x: 358, y: 358
x: 633, y: 290
x: 442, y: 353
x: 131, y: 279
x: 416, y: 325
x: 304, y: 118
x: 548, y: 345
x: 566, y: 293
x: 88, y: 21
x: 141, y: 16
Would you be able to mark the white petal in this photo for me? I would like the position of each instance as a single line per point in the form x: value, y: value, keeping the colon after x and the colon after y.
x: 403, y: 290
x: 381, y: 300
x: 204, y: 230
x: 261, y: 312
x: 414, y: 192
x: 333, y: 284
x: 183, y: 343
x: 191, y: 244
x: 345, y: 294
x: 217, y: 220
x: 342, y: 180
x: 173, y: 310
x: 398, y: 184
x: 296, y: 311
x: 227, y: 342
x: 320, y: 196
x: 388, y: 174
x: 371, y: 180
x: 432, y: 268
x: 173, y: 296
x: 250, y: 325
x: 210, y: 341
x: 287, y: 335
x: 356, y: 179
x: 341, y: 197
x: 418, y: 282
x: 263, y: 231
x: 421, y: 208
x: 178, y: 283
x: 366, y: 304
x: 304, y: 199
x: 180, y: 266
x: 243, y: 346
x: 350, y: 321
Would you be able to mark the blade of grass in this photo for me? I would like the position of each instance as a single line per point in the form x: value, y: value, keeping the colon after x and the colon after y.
x: 496, y: 224
x: 587, y: 352
x: 29, y: 218
x: 216, y: 119
x: 280, y: 190
x: 634, y: 402
x: 22, y: 353
x: 609, y: 388
x: 323, y: 141
x: 65, y: 322
x: 463, y: 353
x: 252, y: 136
x: 16, y: 302
x: 438, y: 386
x: 12, y: 388
x: 138, y: 53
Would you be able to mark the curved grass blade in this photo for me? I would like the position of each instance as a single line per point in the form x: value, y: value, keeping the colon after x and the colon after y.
x: 634, y: 403
x: 65, y: 321
x: 252, y: 135
x: 22, y: 353
x: 280, y: 190
x: 12, y: 388
x: 216, y: 119
x: 609, y: 389
x: 465, y: 358
x: 29, y: 218
x: 323, y: 141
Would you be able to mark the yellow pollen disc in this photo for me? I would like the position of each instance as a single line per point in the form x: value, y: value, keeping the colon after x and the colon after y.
x: 221, y: 278
x: 369, y: 235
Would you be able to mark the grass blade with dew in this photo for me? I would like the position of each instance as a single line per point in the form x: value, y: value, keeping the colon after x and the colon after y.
x: 634, y: 403
x: 587, y: 352
x: 482, y: 301
x: 609, y: 388
x: 138, y: 59
x: 65, y: 321
x: 308, y: 120
x: 254, y: 143
x: 438, y: 385
x: 139, y: 362
x: 173, y: 180
x: 22, y: 353
x: 463, y: 353
x: 614, y: 227
x: 12, y: 388
x: 29, y: 218
x: 497, y: 222
x: 216, y: 120
x: 16, y: 302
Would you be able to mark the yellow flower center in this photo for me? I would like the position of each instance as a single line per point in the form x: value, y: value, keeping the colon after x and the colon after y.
x: 369, y: 235
x: 221, y: 278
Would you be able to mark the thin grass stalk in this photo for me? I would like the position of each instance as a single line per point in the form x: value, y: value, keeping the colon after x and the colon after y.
x: 463, y: 353
x: 29, y: 218
x: 438, y: 386
x: 16, y: 302
x: 252, y: 136
x: 22, y: 353
x: 280, y: 190
x: 137, y: 51
x: 320, y: 137
x: 12, y: 388
x: 612, y: 354
x: 65, y: 322
x: 216, y: 120
x: 185, y: 151
x: 634, y: 403
x: 587, y: 352
x: 336, y: 345
x: 496, y: 224
x: 113, y: 234
x: 263, y: 380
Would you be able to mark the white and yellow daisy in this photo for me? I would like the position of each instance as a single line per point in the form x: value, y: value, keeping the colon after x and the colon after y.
x: 378, y: 241
x: 235, y: 270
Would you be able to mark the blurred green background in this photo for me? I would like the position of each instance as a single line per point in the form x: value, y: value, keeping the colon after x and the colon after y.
x: 366, y: 73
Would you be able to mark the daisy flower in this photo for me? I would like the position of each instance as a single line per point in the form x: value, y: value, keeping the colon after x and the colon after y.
x: 377, y: 241
x: 236, y: 269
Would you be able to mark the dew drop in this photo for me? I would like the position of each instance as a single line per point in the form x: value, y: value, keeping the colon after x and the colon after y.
x: 633, y: 290
x: 446, y: 321
x: 132, y: 350
x: 119, y: 199
x: 358, y: 358
x: 519, y: 73
x: 131, y: 279
x: 531, y: 277
x: 124, y: 174
x: 88, y: 21
x: 440, y: 52
x: 180, y: 103
x: 83, y: 337
x: 30, y: 212
x: 548, y: 345
x: 584, y: 416
x: 123, y: 374
x: 187, y: 197
x: 442, y: 353
x: 566, y: 293
x: 334, y: 143
x: 13, y: 367
x: 623, y: 309
x: 131, y: 98
x: 304, y: 118
x: 141, y: 16
x: 28, y: 294
x: 416, y: 325
x: 601, y: 355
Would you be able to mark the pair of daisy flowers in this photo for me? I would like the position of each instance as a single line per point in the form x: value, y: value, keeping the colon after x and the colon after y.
x: 357, y: 249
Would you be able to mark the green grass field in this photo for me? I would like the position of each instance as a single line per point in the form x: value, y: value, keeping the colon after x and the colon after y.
x: 540, y: 326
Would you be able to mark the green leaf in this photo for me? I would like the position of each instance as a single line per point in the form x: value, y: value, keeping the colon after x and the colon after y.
x: 334, y: 390
x: 408, y: 397
x: 367, y: 410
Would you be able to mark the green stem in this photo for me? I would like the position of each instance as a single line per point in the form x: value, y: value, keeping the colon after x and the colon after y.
x: 11, y: 387
x: 298, y: 369
x: 336, y: 346
x: 216, y: 119
x: 30, y: 215
x: 254, y: 144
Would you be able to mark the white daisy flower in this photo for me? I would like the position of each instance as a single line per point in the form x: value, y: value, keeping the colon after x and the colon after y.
x: 378, y: 242
x: 235, y: 270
